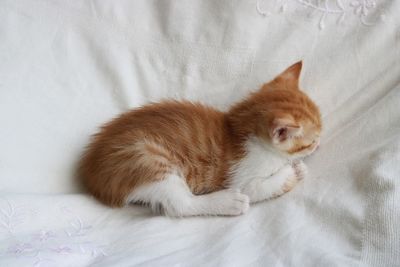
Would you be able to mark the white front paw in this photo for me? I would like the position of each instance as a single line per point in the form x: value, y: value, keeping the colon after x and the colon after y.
x: 300, y: 169
x: 300, y: 172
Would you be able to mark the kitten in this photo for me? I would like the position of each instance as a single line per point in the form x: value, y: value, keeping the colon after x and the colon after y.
x: 192, y: 159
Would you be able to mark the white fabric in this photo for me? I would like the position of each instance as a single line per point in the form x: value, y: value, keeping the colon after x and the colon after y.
x: 68, y: 66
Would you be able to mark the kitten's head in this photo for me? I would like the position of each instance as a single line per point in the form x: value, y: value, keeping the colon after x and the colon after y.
x: 282, y: 115
x: 293, y: 120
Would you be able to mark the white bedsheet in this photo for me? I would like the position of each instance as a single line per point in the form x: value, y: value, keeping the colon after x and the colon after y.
x: 68, y: 66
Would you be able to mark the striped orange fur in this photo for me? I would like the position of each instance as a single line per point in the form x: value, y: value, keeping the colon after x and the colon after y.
x: 197, y: 141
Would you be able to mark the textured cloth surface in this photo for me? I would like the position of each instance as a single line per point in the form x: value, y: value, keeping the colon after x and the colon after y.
x: 68, y: 66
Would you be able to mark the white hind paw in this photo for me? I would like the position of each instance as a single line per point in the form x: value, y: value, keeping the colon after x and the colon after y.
x: 232, y: 202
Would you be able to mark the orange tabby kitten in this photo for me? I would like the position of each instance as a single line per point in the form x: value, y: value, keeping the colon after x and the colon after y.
x: 192, y: 159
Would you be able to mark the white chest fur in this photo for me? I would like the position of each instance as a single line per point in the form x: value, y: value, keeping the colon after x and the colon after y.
x: 249, y: 176
x: 259, y: 162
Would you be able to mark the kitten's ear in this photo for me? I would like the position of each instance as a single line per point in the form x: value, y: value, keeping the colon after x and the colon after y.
x: 291, y: 75
x: 283, y: 129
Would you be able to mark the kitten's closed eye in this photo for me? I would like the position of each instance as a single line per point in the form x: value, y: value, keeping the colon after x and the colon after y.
x: 299, y: 149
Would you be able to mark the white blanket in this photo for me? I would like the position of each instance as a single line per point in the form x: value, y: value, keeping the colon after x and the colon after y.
x: 66, y: 67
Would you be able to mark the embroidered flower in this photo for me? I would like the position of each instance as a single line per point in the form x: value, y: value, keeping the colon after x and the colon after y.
x: 362, y: 7
x: 21, y: 248
x: 47, y: 247
x: 62, y: 250
x: 44, y: 235
x: 10, y: 217
x: 78, y: 228
x: 359, y: 8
